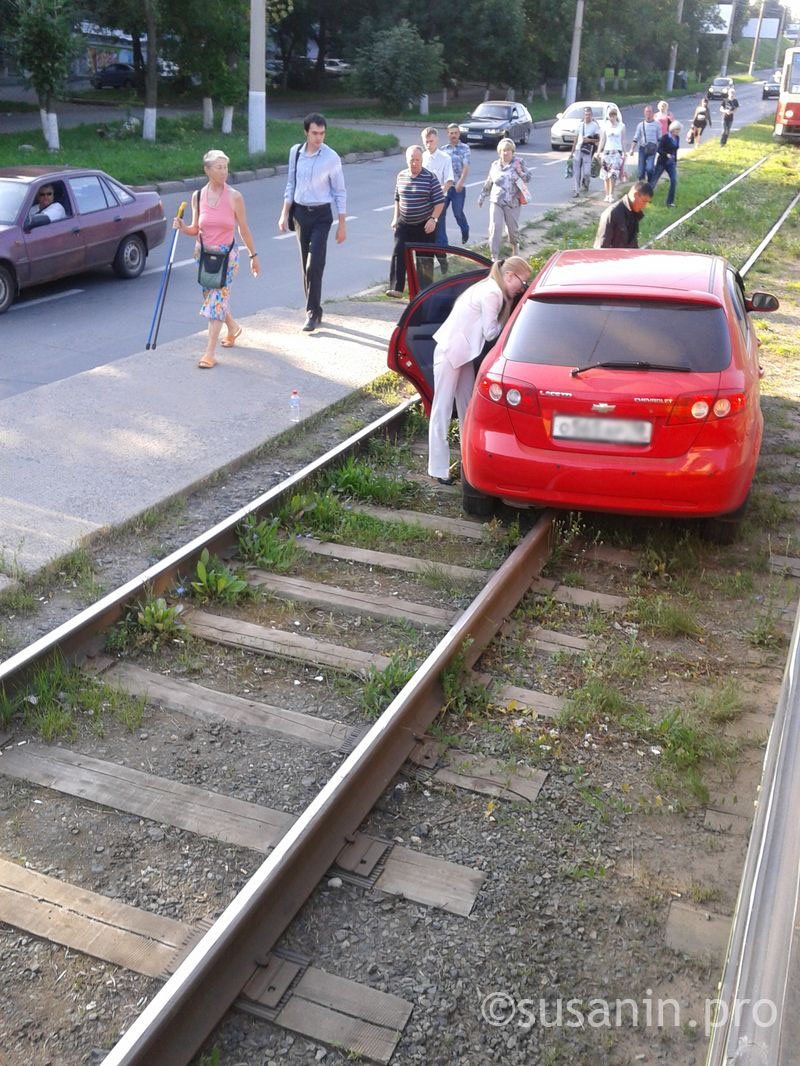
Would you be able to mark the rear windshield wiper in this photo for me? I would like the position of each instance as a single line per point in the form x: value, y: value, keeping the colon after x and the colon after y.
x: 639, y: 364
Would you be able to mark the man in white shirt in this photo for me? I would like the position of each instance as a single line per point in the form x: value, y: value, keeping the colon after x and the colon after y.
x: 46, y: 204
x: 440, y: 164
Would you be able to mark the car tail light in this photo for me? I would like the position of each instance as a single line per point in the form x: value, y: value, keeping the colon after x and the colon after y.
x: 703, y: 407
x: 513, y: 394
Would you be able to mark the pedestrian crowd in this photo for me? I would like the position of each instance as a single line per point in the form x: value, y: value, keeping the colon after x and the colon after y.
x: 432, y: 182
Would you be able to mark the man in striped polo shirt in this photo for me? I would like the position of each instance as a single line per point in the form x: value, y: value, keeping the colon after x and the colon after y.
x: 418, y: 202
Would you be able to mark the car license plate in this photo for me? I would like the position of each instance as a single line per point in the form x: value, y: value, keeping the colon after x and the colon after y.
x: 605, y: 430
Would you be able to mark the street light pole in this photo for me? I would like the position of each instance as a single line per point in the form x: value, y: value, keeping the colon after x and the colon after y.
x: 673, y: 52
x: 726, y: 48
x: 257, y: 97
x: 756, y: 39
x: 575, y: 55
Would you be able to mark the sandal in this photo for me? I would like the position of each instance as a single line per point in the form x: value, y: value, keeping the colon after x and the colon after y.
x: 230, y: 340
x: 207, y: 362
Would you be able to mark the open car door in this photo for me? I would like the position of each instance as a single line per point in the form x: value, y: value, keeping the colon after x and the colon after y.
x: 411, y: 345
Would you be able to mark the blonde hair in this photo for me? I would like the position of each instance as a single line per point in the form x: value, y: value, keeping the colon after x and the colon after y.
x: 212, y: 155
x: 516, y: 265
x: 505, y: 142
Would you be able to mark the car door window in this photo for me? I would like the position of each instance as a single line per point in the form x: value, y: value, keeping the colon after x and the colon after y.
x: 122, y: 195
x: 89, y: 194
x: 737, y: 299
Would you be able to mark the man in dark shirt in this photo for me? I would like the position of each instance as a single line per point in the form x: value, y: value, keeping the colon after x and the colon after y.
x: 619, y: 224
x: 418, y: 202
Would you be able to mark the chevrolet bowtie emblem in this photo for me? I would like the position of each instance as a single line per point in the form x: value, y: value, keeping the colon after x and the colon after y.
x: 603, y: 407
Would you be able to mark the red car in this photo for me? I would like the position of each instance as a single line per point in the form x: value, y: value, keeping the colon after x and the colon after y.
x: 624, y: 381
x: 97, y: 222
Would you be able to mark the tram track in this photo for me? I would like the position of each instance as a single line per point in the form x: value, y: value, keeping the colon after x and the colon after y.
x: 184, y: 1017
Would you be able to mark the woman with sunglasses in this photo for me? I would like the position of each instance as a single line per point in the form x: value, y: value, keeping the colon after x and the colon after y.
x: 478, y: 316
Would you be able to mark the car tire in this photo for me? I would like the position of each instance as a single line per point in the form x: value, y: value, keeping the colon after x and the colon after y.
x: 476, y: 503
x: 524, y: 138
x: 724, y: 528
x: 131, y: 257
x: 8, y: 288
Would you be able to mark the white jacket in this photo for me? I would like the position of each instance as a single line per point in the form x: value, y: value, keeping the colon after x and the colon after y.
x: 473, y: 321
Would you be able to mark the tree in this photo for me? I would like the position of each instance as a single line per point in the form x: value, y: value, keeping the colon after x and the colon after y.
x: 43, y: 45
x: 399, y: 66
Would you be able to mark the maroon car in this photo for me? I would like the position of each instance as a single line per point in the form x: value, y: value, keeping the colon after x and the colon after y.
x: 97, y: 222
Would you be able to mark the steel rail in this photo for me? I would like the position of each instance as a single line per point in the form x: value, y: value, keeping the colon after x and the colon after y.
x: 73, y: 634
x: 756, y: 1021
x: 708, y: 200
x: 185, y: 1010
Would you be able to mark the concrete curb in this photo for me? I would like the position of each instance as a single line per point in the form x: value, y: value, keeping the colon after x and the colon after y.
x: 239, y: 177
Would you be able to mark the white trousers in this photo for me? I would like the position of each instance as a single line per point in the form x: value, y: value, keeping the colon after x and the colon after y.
x: 449, y: 383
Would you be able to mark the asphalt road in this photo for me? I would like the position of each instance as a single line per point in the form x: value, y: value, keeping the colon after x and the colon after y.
x: 94, y: 319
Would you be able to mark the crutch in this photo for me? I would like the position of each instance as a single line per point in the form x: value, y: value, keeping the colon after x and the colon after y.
x: 152, y: 337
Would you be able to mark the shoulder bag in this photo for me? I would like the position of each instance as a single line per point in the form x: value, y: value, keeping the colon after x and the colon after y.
x: 212, y: 267
x: 290, y: 216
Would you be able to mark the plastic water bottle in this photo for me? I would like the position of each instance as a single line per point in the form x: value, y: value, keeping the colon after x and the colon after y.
x: 294, y: 406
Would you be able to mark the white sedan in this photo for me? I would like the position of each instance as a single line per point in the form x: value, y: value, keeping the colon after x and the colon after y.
x: 565, y: 128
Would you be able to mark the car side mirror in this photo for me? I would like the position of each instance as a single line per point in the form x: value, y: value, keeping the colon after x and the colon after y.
x: 762, y: 301
x: 37, y: 222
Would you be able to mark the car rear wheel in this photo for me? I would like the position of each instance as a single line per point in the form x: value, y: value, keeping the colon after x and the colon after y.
x: 8, y: 288
x: 724, y: 528
x: 474, y: 502
x: 130, y: 258
x: 524, y: 138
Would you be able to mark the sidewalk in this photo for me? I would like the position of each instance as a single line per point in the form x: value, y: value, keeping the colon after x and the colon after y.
x: 94, y: 451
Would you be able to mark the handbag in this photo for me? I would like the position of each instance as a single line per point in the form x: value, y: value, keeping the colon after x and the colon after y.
x: 522, y: 191
x: 595, y: 166
x: 290, y: 216
x: 212, y: 267
x: 569, y: 169
x: 690, y: 136
x: 649, y: 148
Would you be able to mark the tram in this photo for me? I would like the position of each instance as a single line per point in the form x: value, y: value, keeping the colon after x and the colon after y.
x: 787, y: 117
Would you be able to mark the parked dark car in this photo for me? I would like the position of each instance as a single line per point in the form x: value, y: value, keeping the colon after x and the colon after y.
x: 105, y: 224
x: 718, y: 89
x: 625, y: 381
x: 115, y: 76
x: 494, y: 119
x: 772, y: 87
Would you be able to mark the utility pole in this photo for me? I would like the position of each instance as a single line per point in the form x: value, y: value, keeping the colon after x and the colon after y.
x: 673, y: 52
x: 756, y: 39
x: 575, y: 55
x: 257, y: 97
x: 779, y: 38
x: 726, y: 48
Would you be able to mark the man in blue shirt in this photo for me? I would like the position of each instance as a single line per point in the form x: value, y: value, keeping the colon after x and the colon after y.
x: 459, y: 155
x: 315, y: 186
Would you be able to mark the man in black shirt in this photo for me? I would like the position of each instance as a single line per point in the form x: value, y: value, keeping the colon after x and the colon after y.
x: 619, y: 224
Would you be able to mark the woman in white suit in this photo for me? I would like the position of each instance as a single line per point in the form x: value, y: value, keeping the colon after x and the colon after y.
x: 478, y: 316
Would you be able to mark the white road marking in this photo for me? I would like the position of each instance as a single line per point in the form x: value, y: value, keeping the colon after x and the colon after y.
x: 160, y: 270
x: 45, y: 299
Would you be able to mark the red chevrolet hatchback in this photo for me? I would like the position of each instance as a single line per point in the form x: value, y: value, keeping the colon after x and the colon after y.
x: 624, y: 381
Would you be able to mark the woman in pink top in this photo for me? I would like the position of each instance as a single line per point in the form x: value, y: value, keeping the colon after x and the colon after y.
x: 216, y: 212
x: 663, y: 116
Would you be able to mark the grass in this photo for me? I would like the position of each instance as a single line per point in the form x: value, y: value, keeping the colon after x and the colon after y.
x: 178, y: 151
x: 358, y: 479
x: 381, y: 686
x: 59, y: 697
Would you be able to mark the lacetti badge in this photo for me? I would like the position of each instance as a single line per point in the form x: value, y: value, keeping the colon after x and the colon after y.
x: 652, y: 399
x: 553, y: 392
x: 604, y: 407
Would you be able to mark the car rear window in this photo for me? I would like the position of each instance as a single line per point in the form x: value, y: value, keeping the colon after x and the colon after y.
x: 575, y: 332
x: 12, y: 193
